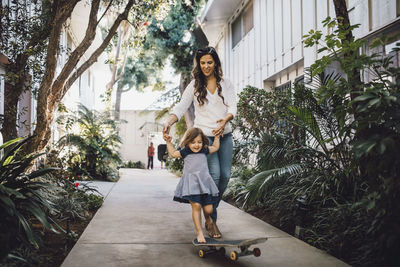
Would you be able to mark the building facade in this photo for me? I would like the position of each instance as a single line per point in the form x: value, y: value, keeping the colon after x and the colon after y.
x: 261, y: 41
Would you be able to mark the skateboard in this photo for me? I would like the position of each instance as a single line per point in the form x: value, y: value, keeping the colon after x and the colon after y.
x: 211, y: 246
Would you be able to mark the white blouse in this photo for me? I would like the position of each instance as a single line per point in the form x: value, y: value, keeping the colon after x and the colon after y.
x: 206, y: 116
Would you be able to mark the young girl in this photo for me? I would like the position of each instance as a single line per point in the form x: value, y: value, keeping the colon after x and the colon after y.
x: 196, y: 185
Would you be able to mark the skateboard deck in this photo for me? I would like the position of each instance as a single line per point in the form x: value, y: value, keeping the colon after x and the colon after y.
x: 243, y: 244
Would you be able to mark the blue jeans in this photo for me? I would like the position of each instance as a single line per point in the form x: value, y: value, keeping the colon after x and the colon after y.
x: 220, y: 164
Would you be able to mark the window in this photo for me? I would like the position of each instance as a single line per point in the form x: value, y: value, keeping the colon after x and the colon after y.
x: 248, y: 19
x: 282, y: 91
x: 242, y: 25
x: 398, y: 8
x: 236, y: 31
x: 299, y: 80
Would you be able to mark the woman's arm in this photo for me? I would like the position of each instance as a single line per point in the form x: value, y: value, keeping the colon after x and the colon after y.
x: 215, y: 146
x: 180, y: 108
x: 231, y: 102
x: 170, y: 147
x: 221, y: 124
x: 167, y: 125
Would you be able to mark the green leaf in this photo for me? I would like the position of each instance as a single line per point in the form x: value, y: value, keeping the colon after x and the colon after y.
x: 38, y: 213
x: 376, y: 101
x: 363, y: 97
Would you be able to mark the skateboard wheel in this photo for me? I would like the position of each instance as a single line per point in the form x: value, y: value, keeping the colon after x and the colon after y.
x: 201, y: 253
x: 222, y: 251
x: 234, y: 256
x: 257, y: 252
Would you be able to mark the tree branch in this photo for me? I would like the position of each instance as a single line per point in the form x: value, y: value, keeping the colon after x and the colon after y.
x: 105, y: 11
x: 56, y: 90
x: 93, y: 58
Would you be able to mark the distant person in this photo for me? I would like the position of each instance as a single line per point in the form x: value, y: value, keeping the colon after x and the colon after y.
x: 161, y: 151
x: 196, y: 185
x: 150, y: 155
x: 214, y: 100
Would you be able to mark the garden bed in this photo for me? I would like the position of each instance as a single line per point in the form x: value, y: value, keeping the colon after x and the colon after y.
x: 55, y: 247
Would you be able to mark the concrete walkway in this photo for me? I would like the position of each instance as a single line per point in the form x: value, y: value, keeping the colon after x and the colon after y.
x: 140, y: 225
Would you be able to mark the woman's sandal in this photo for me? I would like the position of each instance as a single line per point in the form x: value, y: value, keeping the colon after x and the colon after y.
x: 213, y: 230
x: 217, y: 234
x: 209, y: 229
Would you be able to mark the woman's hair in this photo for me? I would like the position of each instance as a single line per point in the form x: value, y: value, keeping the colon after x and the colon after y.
x: 200, y: 81
x: 191, y: 134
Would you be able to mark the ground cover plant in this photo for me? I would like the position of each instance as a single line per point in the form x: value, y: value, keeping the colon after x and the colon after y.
x: 44, y: 210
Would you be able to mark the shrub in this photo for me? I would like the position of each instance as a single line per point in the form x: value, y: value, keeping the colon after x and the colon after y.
x: 135, y: 165
x: 94, y: 151
x: 339, y: 154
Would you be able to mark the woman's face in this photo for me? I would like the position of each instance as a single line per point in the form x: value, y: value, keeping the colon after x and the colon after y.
x: 207, y: 65
x: 196, y: 144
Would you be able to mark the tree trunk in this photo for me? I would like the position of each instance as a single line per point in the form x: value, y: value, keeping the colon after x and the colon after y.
x: 201, y: 40
x: 9, y: 127
x: 189, y: 114
x: 344, y: 22
x: 51, y: 94
x: 15, y: 88
x: 110, y: 85
x: 44, y: 114
x: 118, y: 102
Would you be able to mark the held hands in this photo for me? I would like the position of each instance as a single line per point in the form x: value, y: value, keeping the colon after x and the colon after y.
x: 167, y: 125
x: 167, y: 138
x: 166, y: 128
x: 219, y: 131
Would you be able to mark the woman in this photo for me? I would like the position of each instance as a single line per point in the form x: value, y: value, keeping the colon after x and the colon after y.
x: 214, y: 102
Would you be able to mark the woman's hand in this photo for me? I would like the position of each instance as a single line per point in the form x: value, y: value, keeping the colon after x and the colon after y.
x: 220, y: 129
x: 166, y: 128
x: 167, y: 125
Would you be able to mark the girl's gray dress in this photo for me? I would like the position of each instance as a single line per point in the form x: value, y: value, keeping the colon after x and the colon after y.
x: 196, y: 184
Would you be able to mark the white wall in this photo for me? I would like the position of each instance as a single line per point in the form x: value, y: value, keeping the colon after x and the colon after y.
x: 135, y: 140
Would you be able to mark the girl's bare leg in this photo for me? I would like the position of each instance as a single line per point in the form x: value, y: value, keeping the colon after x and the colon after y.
x: 196, y: 216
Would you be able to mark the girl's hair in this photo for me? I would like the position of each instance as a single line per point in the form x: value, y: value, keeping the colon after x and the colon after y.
x: 200, y: 81
x: 191, y: 134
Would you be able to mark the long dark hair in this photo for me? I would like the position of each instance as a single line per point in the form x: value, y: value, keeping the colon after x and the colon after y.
x: 191, y: 134
x: 200, y: 81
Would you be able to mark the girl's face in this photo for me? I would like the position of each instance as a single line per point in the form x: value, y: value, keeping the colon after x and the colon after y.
x: 207, y: 65
x: 196, y: 144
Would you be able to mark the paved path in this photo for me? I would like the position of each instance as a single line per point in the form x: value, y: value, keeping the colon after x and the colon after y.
x: 140, y: 225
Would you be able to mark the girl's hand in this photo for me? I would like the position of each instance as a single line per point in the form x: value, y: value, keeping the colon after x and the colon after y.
x: 167, y: 138
x: 220, y: 129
